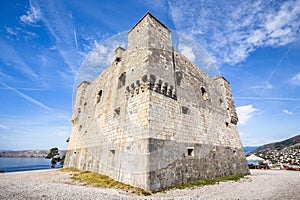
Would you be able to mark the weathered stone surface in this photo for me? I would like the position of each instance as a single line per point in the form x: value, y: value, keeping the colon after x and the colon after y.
x: 153, y: 119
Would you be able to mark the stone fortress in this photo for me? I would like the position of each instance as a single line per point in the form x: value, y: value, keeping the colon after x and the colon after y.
x: 153, y: 119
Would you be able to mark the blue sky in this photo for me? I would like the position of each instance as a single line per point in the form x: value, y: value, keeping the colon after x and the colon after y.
x: 43, y: 44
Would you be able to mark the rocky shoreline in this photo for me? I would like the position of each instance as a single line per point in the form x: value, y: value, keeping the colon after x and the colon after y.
x: 54, y: 184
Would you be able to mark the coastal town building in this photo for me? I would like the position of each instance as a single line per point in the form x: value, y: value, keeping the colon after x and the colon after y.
x: 153, y: 119
x: 290, y: 156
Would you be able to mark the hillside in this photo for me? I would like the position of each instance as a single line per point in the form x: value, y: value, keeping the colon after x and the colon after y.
x: 28, y: 153
x: 293, y: 142
x: 284, y: 152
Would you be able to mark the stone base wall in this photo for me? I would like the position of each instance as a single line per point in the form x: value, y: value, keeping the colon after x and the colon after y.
x: 123, y: 166
x: 171, y: 164
x: 168, y: 164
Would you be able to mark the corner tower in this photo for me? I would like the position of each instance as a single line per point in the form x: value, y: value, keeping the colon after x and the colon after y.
x: 149, y: 33
x: 150, y: 40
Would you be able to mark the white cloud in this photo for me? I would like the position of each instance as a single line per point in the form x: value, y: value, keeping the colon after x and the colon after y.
x: 61, y: 27
x: 187, y: 52
x: 32, y: 15
x: 12, y: 58
x: 18, y: 32
x: 287, y: 112
x: 6, y: 76
x: 245, y: 113
x: 27, y: 98
x: 10, y: 31
x: 231, y: 30
x: 295, y: 80
x: 263, y: 86
x: 3, y: 127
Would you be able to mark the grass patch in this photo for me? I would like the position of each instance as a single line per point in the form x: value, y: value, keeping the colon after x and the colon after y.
x: 198, y: 183
x: 102, y: 181
x: 71, y: 169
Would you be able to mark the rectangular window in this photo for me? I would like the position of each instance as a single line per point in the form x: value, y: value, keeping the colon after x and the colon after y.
x: 117, y: 112
x: 184, y: 110
x: 122, y: 80
x: 190, y: 151
x: 113, y: 151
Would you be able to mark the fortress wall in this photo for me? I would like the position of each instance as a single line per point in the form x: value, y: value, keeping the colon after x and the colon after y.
x: 208, y: 161
x: 181, y: 150
x: 193, y: 137
x: 108, y: 142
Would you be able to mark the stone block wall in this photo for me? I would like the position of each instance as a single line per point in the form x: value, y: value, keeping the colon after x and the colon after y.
x: 184, y: 148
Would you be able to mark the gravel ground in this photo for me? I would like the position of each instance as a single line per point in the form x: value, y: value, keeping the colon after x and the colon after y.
x: 53, y: 184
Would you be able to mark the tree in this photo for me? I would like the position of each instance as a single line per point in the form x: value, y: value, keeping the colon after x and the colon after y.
x: 54, y: 156
x: 62, y: 160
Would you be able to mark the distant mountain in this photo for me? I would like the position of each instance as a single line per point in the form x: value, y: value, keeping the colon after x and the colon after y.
x: 249, y: 149
x: 292, y: 143
x: 284, y: 152
x: 28, y: 153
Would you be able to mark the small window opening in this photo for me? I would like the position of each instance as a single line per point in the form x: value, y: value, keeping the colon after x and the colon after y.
x: 204, y: 93
x: 234, y: 152
x: 220, y: 102
x: 113, y: 151
x: 178, y: 78
x: 122, y: 80
x: 99, y: 96
x: 185, y: 110
x: 118, y: 59
x: 117, y: 111
x: 227, y: 124
x: 190, y: 151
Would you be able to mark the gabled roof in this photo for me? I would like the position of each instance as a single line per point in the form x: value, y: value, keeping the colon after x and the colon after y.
x: 150, y: 15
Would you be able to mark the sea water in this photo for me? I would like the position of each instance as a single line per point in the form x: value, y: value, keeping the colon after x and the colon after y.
x: 23, y: 164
